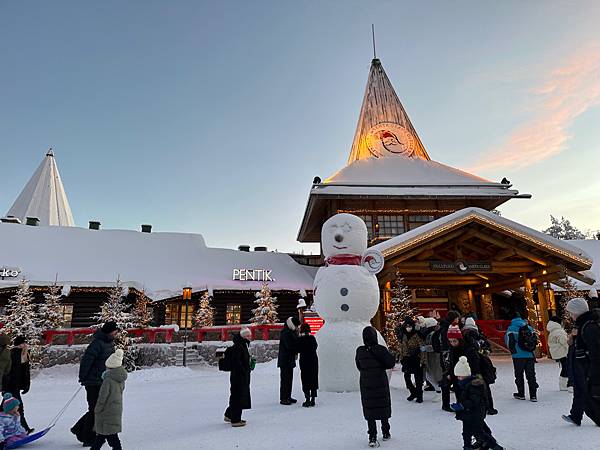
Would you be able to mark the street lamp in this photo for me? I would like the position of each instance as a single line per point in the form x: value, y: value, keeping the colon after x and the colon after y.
x: 187, y: 296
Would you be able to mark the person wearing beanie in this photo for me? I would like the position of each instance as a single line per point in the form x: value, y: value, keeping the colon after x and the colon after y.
x: 91, y: 368
x: 286, y: 359
x: 18, y: 380
x: 412, y: 359
x: 309, y: 365
x: 241, y: 364
x: 471, y: 407
x: 433, y: 367
x: 470, y: 324
x: 558, y: 347
x: 372, y: 361
x: 440, y: 344
x: 108, y: 413
x: 11, y: 429
x: 521, y: 339
x: 586, y: 368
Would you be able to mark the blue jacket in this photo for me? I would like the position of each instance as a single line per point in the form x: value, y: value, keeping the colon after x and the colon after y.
x: 511, y: 338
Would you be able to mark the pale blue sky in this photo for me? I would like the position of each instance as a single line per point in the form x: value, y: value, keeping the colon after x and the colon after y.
x: 214, y: 117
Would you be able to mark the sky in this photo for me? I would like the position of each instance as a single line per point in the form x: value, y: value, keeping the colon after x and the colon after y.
x: 214, y: 117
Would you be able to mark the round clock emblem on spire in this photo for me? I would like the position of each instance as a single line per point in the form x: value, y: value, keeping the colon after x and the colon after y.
x: 387, y: 139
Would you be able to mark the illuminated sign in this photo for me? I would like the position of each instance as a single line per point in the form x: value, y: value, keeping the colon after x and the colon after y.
x: 460, y: 266
x: 252, y: 275
x: 9, y: 272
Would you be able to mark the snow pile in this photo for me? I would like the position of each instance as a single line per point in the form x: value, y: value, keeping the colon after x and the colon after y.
x: 176, y: 408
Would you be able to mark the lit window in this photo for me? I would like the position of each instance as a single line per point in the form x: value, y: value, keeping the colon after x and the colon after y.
x: 175, y: 314
x: 234, y: 314
x: 67, y: 315
x: 190, y: 316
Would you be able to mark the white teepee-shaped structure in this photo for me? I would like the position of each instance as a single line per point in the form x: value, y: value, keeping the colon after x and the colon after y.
x: 44, y: 197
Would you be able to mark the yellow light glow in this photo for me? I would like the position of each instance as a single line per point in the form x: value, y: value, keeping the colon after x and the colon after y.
x: 544, y: 272
x: 487, y: 285
x: 187, y: 293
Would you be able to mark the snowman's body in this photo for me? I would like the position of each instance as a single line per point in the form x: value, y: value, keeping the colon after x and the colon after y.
x: 347, y: 298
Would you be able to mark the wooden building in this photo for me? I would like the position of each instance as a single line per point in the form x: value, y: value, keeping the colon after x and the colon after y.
x: 437, y: 225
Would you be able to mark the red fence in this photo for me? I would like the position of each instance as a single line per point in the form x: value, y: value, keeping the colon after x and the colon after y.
x: 225, y: 330
x: 150, y: 334
x: 496, y: 329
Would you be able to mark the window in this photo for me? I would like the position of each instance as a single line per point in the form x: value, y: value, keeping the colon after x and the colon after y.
x: 369, y: 222
x: 389, y: 226
x: 234, y: 314
x: 417, y: 221
x: 175, y: 314
x: 67, y: 315
x: 190, y: 316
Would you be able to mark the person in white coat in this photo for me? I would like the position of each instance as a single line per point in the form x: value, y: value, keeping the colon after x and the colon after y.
x: 558, y: 347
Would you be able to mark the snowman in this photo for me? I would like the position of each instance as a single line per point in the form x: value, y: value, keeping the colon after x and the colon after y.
x: 346, y: 297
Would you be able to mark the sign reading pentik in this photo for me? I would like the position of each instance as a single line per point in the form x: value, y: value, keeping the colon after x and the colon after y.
x: 252, y: 275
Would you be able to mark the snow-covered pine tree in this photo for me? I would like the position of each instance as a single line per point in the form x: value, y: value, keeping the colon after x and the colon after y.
x: 20, y: 319
x: 400, y: 309
x: 50, y: 312
x: 562, y: 229
x: 141, y: 315
x: 205, y: 314
x: 266, y: 310
x: 570, y: 291
x: 116, y: 310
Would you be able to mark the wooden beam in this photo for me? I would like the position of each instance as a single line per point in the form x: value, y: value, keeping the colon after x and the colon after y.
x: 476, y: 249
x: 580, y: 277
x: 511, y: 283
x: 518, y: 251
x: 430, y: 246
x: 504, y: 254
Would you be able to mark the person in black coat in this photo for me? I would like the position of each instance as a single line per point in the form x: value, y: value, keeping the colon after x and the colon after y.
x: 309, y: 365
x: 239, y: 379
x: 471, y: 407
x: 18, y: 380
x: 586, y: 367
x: 372, y: 360
x: 91, y: 368
x: 440, y: 344
x: 286, y: 359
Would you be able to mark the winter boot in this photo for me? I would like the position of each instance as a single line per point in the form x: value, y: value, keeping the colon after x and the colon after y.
x: 306, y: 404
x: 519, y: 396
x: 373, y: 442
x: 569, y: 419
x: 241, y: 423
x: 419, y: 397
x: 387, y: 436
x: 492, y: 411
x: 533, y: 395
x: 312, y: 401
x: 293, y: 400
x: 412, y: 396
x: 562, y: 383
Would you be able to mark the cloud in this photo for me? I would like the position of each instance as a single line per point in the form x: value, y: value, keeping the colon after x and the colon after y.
x: 563, y: 94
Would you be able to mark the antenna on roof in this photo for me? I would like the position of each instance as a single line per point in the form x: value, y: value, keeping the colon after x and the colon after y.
x: 373, y: 33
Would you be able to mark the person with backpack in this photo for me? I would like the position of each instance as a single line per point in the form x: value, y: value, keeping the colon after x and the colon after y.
x: 372, y: 361
x: 587, y: 363
x: 521, y: 339
x: 237, y: 361
x: 471, y: 407
x: 309, y: 365
x: 558, y: 347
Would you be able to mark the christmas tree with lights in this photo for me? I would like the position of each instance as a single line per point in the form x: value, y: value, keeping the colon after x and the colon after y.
x: 50, y: 312
x: 205, y: 314
x: 400, y: 308
x: 265, y: 312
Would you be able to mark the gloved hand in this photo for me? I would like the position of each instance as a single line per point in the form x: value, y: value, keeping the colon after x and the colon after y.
x: 457, y: 407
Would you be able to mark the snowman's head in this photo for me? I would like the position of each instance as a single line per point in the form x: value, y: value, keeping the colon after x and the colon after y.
x: 344, y: 234
x: 346, y: 293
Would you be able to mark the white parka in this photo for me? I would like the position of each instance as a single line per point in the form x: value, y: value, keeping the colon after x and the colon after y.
x: 557, y: 340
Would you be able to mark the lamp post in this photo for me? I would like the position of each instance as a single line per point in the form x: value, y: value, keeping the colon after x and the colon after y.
x: 187, y: 296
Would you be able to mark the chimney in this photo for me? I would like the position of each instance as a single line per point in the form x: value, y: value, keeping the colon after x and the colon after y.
x: 10, y: 219
x: 146, y: 228
x: 244, y: 248
x: 94, y: 225
x: 260, y: 249
x: 32, y: 221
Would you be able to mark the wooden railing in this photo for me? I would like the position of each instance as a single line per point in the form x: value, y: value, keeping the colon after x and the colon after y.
x: 150, y: 334
x: 495, y: 330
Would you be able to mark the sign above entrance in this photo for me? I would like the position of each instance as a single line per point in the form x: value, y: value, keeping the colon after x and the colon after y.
x: 9, y: 272
x: 460, y: 266
x: 252, y: 275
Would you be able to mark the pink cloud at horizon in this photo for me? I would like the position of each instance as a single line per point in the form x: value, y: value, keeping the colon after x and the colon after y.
x: 562, y: 95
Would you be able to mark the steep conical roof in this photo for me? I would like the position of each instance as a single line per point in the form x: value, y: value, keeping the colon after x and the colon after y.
x: 44, y: 197
x: 384, y: 128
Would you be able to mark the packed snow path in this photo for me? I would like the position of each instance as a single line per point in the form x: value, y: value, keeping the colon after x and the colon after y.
x: 178, y: 408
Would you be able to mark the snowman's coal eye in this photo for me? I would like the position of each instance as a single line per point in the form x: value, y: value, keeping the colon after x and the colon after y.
x: 344, y: 291
x: 344, y: 307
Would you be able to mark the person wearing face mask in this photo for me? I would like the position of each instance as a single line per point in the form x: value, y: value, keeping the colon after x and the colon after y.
x: 412, y: 360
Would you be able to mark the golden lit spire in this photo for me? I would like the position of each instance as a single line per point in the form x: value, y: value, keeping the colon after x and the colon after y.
x: 384, y: 128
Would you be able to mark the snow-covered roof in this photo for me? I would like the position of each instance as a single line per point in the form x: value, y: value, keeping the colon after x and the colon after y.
x: 554, y: 245
x: 44, y: 197
x: 591, y: 248
x: 161, y: 263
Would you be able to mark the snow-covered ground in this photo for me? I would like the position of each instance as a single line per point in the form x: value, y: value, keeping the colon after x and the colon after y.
x: 178, y: 408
